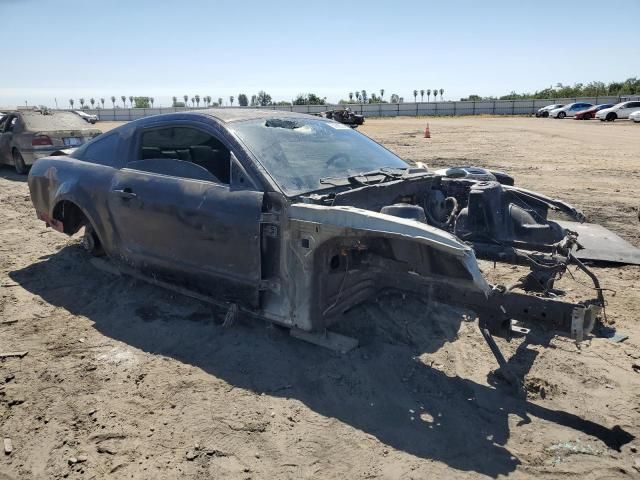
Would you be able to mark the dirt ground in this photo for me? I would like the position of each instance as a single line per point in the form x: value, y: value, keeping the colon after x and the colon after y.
x: 126, y: 380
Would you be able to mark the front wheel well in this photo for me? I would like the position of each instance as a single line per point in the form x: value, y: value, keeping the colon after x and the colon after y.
x: 71, y: 216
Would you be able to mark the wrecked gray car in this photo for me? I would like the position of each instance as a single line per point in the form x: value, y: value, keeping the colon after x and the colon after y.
x: 28, y: 135
x: 295, y: 219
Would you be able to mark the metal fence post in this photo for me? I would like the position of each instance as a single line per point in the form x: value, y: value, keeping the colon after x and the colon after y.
x: 513, y: 107
x: 474, y: 107
x: 494, y: 107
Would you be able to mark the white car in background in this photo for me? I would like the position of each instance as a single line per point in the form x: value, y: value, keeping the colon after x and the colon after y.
x: 89, y: 118
x: 544, y: 111
x: 569, y: 110
x: 620, y: 110
x: 635, y: 116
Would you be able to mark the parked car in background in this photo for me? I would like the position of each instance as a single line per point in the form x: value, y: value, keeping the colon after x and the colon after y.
x: 544, y: 111
x: 620, y: 110
x: 635, y: 116
x: 89, y: 118
x: 590, y: 113
x: 28, y: 135
x: 569, y: 110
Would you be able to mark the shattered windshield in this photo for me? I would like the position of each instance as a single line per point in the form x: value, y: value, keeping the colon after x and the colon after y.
x: 300, y: 152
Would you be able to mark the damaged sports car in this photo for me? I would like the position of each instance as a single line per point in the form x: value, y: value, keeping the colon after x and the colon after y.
x: 295, y: 219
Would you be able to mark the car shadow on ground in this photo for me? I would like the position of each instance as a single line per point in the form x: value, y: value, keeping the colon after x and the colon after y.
x: 9, y: 173
x: 379, y: 388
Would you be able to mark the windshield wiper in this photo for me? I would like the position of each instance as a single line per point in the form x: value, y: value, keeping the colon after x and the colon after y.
x: 360, y: 179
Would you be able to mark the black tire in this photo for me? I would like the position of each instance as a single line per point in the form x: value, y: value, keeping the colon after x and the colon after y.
x: 611, y: 117
x: 561, y: 115
x: 545, y: 114
x: 91, y: 243
x: 18, y: 162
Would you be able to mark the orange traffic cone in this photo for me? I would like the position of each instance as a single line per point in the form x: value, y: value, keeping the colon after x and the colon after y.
x: 427, y: 133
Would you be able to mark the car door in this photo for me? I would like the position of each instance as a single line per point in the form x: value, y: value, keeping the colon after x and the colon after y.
x: 628, y: 108
x: 176, y: 219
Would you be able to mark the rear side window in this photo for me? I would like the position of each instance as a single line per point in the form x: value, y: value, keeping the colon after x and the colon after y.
x: 103, y: 150
x: 633, y: 105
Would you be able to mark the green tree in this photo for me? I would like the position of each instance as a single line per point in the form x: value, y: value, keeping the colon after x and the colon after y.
x: 92, y: 101
x: 124, y: 101
x: 363, y: 95
x: 243, y: 101
x: 231, y: 99
x: 415, y: 95
x: 186, y: 99
x: 102, y: 102
x: 71, y: 103
x: 151, y: 100
x: 441, y: 93
x: 174, y: 100
x: 395, y: 98
x: 435, y: 94
x: 351, y: 96
x: 113, y: 101
x: 358, y: 96
x: 81, y: 103
x: 263, y: 99
x: 381, y: 93
x: 197, y: 97
x: 141, y: 102
x: 428, y: 94
x: 254, y: 100
x: 422, y: 95
x: 220, y: 101
x: 130, y: 101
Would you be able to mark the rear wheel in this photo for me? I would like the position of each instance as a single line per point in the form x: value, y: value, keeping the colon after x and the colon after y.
x: 91, y: 243
x: 562, y: 115
x: 611, y: 117
x: 18, y: 163
x: 545, y: 114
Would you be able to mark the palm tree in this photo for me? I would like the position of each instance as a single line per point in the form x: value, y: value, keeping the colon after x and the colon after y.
x: 441, y: 93
x: 151, y: 100
x: 231, y: 100
x: 92, y: 101
x: 381, y: 93
x: 435, y: 94
x: 209, y: 100
x: 113, y: 101
x: 358, y: 96
x: 186, y: 100
x: 102, y: 102
x: 124, y: 101
x: 415, y: 95
x: 422, y: 95
x: 82, y: 103
x: 71, y: 103
x: 428, y: 94
x: 351, y: 96
x: 193, y: 102
x: 220, y: 101
x: 198, y: 100
x: 131, y: 101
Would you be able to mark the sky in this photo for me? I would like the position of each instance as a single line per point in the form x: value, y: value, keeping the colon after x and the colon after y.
x: 61, y: 49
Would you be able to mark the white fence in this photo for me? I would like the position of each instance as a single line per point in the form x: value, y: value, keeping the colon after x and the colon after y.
x: 488, y: 107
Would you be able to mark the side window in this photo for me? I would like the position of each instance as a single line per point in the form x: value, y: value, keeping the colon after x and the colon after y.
x: 634, y: 105
x: 192, y: 147
x: 103, y: 150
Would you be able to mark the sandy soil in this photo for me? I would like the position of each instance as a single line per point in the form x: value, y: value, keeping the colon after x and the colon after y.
x: 125, y: 380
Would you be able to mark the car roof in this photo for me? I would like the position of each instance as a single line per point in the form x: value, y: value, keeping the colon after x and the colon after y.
x: 223, y: 115
x: 237, y: 114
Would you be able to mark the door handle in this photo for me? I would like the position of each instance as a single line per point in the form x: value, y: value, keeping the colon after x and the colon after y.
x: 125, y: 193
